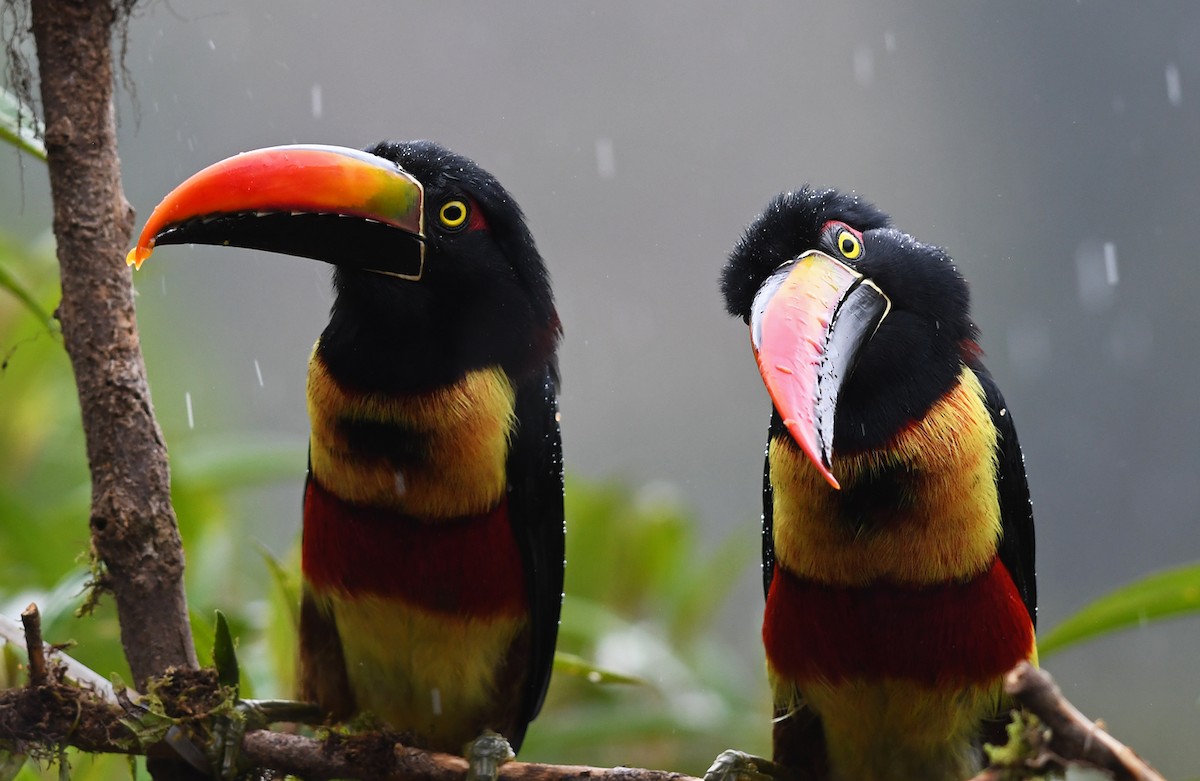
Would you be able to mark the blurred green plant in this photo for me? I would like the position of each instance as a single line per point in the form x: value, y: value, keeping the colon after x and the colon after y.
x: 642, y: 597
x: 1171, y: 593
x: 20, y: 126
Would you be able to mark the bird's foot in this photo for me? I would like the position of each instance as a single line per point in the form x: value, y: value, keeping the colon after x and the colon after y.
x: 731, y: 765
x: 485, y: 754
x: 225, y: 749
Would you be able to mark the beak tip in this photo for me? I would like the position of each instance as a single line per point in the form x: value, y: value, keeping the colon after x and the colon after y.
x: 137, y: 256
x: 821, y: 459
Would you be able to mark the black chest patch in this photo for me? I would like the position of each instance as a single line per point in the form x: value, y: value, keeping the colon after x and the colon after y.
x: 877, y: 499
x: 370, y: 439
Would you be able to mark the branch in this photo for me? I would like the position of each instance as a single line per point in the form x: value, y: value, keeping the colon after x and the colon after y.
x: 376, y: 757
x: 1073, y: 738
x: 58, y: 714
x: 134, y: 533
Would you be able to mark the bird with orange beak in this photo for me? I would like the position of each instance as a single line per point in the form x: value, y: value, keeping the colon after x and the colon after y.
x: 898, y: 541
x: 433, y: 509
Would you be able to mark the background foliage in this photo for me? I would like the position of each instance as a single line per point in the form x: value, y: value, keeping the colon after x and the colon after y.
x: 643, y: 678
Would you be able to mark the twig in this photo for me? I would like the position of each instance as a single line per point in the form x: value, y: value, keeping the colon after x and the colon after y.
x: 31, y: 619
x: 74, y: 670
x: 1073, y: 737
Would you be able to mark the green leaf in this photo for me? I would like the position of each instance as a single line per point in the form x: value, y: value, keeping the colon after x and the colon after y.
x: 21, y: 291
x: 19, y: 126
x: 224, y: 653
x: 570, y: 664
x: 10, y: 764
x: 1167, y: 594
x: 287, y: 584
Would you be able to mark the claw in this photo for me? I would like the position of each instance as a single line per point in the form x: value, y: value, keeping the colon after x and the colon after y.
x: 485, y: 754
x: 732, y: 765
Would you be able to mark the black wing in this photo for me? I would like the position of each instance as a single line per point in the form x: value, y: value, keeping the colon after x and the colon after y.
x: 535, y: 502
x: 1017, y: 546
x: 768, y: 513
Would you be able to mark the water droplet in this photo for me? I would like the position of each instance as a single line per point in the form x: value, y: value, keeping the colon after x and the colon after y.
x: 1174, y: 87
x: 606, y: 159
x: 258, y: 372
x: 1095, y: 273
x: 864, y: 65
x: 435, y: 701
x: 316, y: 101
x: 187, y: 401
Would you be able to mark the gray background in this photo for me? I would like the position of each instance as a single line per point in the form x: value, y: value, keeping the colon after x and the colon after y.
x: 640, y: 138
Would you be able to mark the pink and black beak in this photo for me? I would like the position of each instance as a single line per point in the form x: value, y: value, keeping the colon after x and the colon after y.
x: 809, y: 323
x: 329, y: 203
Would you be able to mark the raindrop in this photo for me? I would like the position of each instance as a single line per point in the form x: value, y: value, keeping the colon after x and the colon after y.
x: 316, y: 101
x: 1110, y: 263
x: 594, y: 677
x: 1174, y: 88
x: 606, y: 159
x: 1095, y: 270
x: 435, y: 700
x: 258, y: 372
x: 889, y: 42
x: 864, y: 65
x: 212, y: 44
x: 163, y: 280
x: 187, y: 401
x: 400, y: 485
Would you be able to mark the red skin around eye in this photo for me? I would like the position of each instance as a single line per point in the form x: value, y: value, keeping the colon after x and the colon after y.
x: 476, y: 222
x: 830, y: 225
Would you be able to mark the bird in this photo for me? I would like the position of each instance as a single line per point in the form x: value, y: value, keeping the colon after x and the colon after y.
x: 898, y: 534
x: 433, y: 533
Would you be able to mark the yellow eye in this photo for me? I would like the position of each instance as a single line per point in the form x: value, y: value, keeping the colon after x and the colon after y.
x: 453, y: 214
x: 849, y: 245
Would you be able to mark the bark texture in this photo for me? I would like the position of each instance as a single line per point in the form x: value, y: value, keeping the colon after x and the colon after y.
x: 134, y: 533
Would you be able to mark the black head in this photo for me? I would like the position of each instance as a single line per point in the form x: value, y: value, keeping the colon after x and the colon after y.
x: 916, y: 354
x: 483, y: 298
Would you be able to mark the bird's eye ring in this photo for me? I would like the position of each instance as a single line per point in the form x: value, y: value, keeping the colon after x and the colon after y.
x: 453, y: 214
x: 849, y: 245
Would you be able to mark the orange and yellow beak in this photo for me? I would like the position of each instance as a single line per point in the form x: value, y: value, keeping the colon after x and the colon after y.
x: 809, y: 322
x: 329, y: 203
